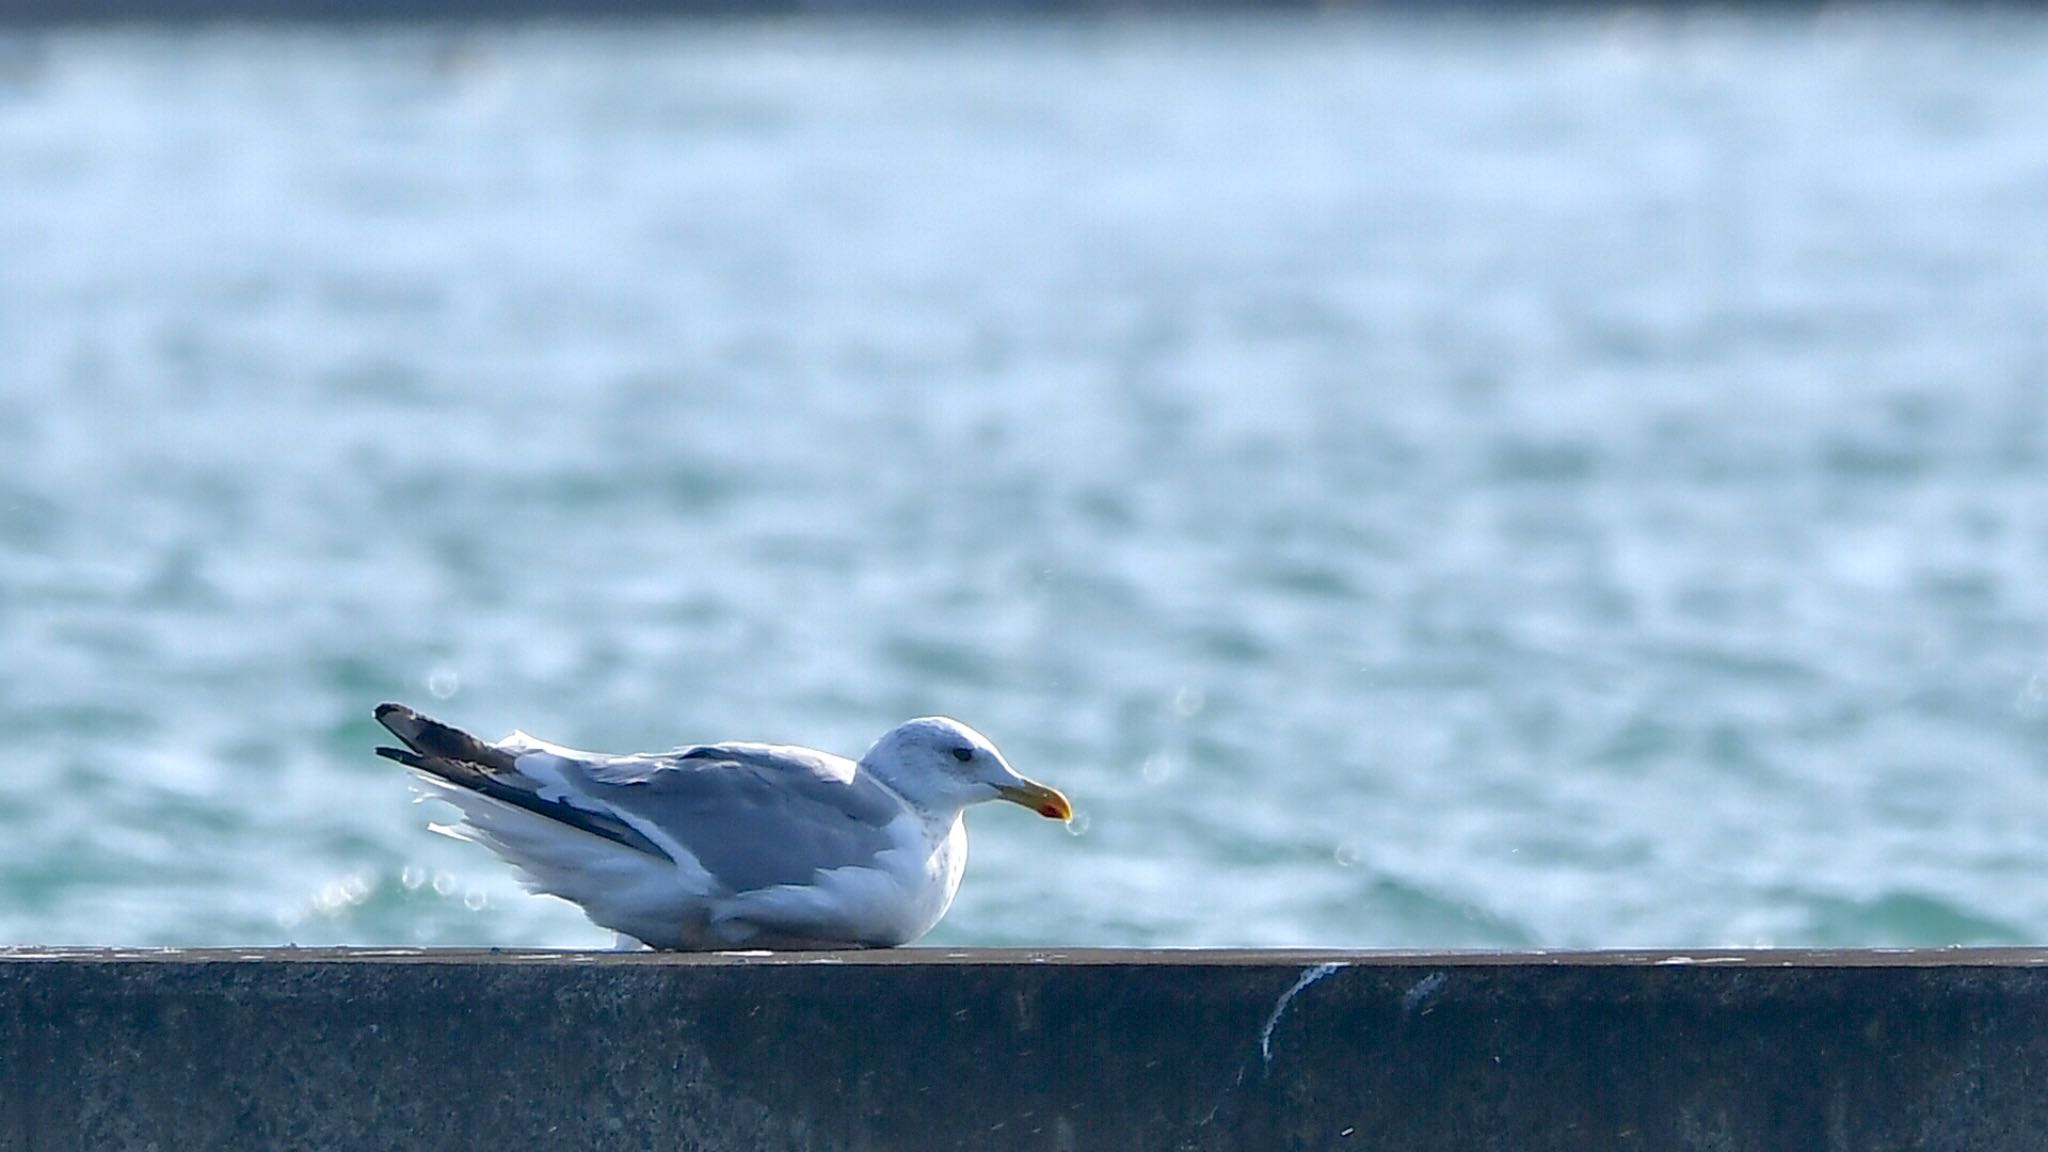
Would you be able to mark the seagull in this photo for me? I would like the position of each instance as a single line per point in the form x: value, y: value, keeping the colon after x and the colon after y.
x: 728, y: 846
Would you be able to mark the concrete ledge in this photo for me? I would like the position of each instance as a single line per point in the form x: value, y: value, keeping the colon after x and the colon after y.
x: 931, y: 1049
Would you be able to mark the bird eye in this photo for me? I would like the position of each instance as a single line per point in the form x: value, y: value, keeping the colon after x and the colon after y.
x: 963, y: 755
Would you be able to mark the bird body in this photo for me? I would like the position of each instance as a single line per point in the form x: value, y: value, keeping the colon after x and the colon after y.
x: 733, y: 845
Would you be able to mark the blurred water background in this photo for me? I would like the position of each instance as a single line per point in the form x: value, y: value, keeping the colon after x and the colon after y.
x: 1459, y: 482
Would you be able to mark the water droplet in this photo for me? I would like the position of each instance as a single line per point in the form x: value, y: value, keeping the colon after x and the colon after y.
x: 443, y: 682
x: 444, y: 883
x: 1078, y: 826
x: 1346, y: 855
x: 475, y: 899
x: 412, y: 876
x: 1188, y: 701
x: 1158, y: 768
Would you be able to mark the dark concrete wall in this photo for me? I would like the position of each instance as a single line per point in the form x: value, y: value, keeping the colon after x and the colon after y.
x: 925, y: 1049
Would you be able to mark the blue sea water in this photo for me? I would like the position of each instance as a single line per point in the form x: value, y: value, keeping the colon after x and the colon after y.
x: 1484, y: 483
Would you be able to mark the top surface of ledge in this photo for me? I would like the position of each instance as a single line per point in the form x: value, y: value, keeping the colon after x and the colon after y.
x: 1175, y: 957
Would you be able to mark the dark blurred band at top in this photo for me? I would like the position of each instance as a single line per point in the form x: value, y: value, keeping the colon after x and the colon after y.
x: 44, y: 12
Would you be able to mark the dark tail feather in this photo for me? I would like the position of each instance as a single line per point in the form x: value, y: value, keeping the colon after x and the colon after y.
x: 435, y: 740
x: 465, y: 761
x: 409, y: 759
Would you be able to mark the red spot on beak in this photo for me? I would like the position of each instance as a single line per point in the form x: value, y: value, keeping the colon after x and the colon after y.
x: 1037, y: 797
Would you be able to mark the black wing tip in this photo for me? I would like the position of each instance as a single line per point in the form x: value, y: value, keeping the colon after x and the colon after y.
x: 437, y: 741
x: 402, y: 720
x: 404, y: 756
x: 518, y: 793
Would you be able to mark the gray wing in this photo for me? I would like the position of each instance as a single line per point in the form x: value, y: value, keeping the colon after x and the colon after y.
x: 754, y: 815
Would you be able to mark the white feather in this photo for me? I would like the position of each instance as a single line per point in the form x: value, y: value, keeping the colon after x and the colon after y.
x: 620, y: 888
x: 893, y: 901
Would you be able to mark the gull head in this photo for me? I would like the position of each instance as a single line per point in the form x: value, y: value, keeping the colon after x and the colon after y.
x: 941, y: 764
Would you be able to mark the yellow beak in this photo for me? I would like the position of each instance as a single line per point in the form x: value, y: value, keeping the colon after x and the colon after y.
x: 1047, y: 802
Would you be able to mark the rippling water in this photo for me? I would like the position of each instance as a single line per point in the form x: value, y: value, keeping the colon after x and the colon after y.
x: 1454, y: 483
